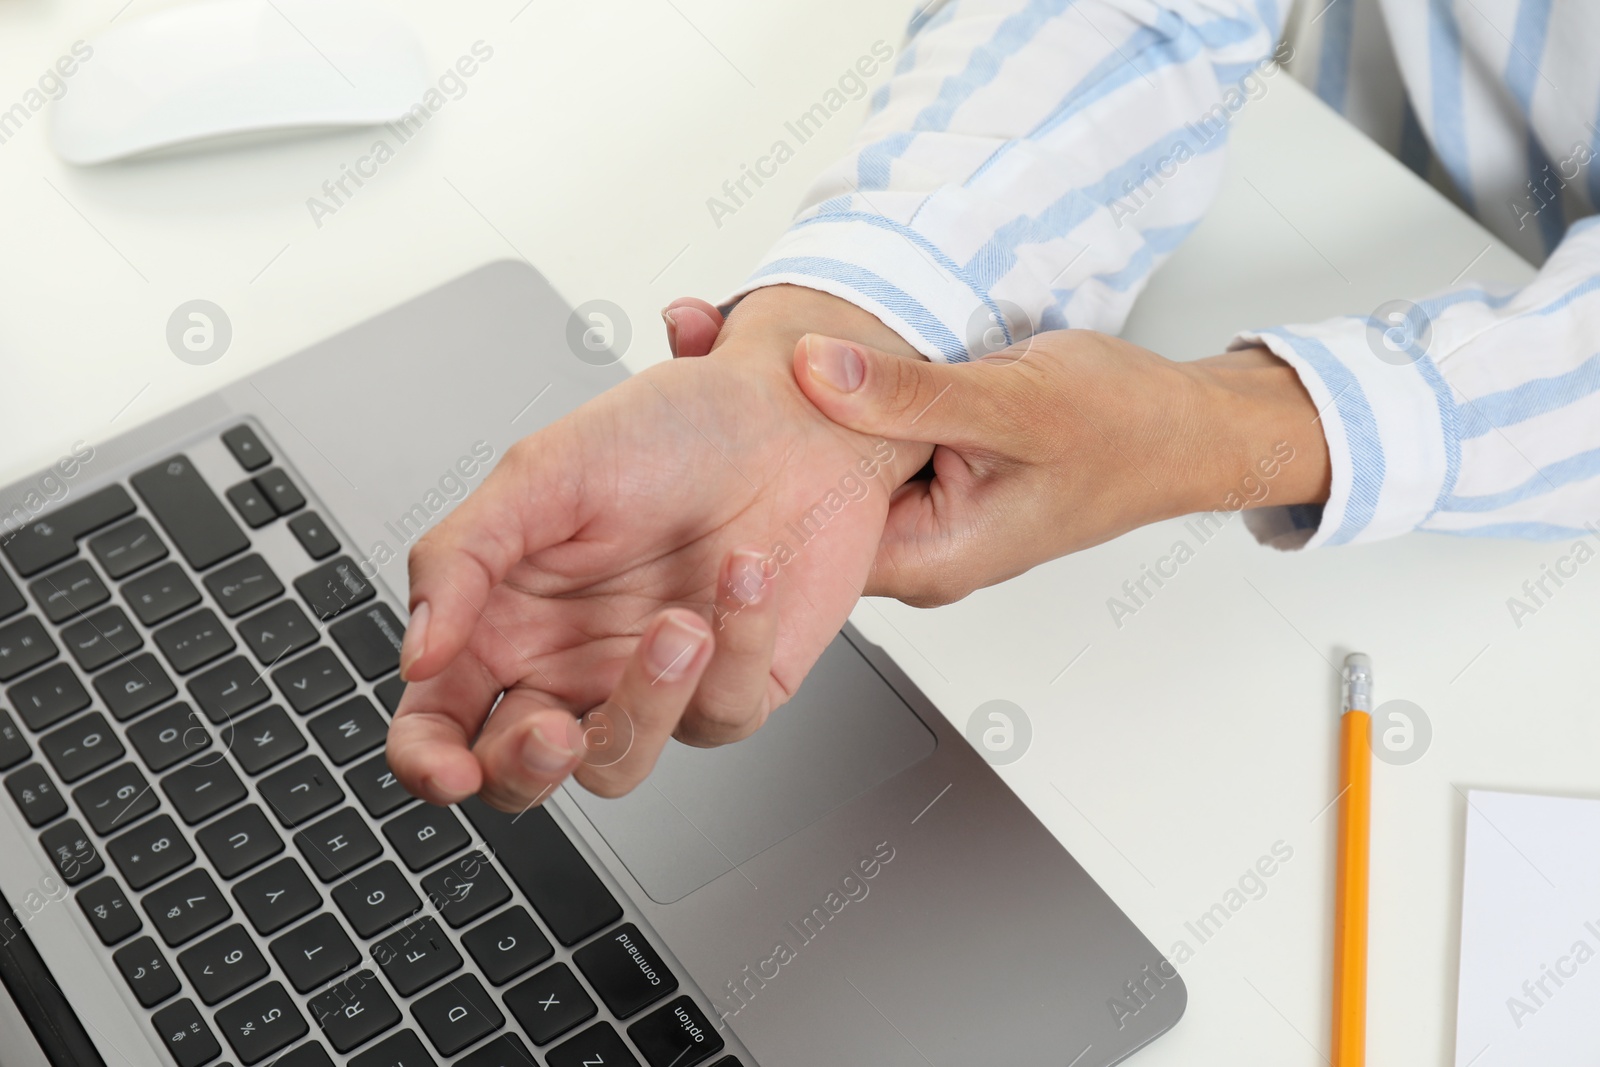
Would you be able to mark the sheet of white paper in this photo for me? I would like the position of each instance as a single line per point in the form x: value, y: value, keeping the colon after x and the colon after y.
x: 1530, y: 932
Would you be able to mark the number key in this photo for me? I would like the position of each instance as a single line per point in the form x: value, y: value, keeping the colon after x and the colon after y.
x: 116, y: 799
x: 261, y: 1023
x: 187, y: 907
x: 223, y: 964
x: 81, y: 747
x: 151, y: 851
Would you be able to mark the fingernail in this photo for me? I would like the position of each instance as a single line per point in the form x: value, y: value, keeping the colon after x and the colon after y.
x: 545, y: 754
x: 746, y: 583
x: 672, y: 649
x: 416, y: 640
x: 835, y: 362
x: 672, y: 328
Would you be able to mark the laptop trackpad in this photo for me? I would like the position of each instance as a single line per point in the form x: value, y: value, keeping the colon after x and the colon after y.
x: 702, y: 811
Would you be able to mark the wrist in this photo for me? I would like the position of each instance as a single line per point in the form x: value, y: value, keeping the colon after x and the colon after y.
x: 1266, y: 440
x: 769, y: 322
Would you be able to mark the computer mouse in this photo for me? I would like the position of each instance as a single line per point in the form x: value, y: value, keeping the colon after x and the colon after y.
x: 213, y: 70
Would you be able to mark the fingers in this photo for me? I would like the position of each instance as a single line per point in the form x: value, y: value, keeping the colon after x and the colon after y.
x: 430, y: 739
x: 524, y: 505
x: 873, y: 392
x: 623, y: 738
x: 692, y: 326
x: 734, y: 697
x: 528, y: 748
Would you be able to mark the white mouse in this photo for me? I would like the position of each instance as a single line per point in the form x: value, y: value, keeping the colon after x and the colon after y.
x: 220, y: 68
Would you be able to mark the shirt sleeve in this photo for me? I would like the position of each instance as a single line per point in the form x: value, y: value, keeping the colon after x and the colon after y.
x: 1029, y: 164
x: 1471, y: 413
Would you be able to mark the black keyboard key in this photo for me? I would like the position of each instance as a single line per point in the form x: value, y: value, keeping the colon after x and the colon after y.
x: 30, y: 786
x: 134, y: 686
x: 11, y: 600
x: 337, y: 845
x: 190, y: 512
x: 261, y: 1023
x: 465, y: 889
x: 274, y: 898
x: 300, y: 791
x: 677, y: 1034
x: 202, y: 789
x: 507, y: 945
x: 169, y: 736
x: 351, y: 729
x: 277, y: 488
x: 186, y: 907
x: 194, y: 640
x: 311, y: 1054
x: 247, y: 448
x: 264, y: 739
x: 354, y: 1012
x: 376, y: 899
x: 72, y: 852
x: 234, y: 685
x: 47, y: 541
x: 223, y: 964
x: 425, y: 835
x: 598, y: 1044
x: 161, y: 594
x: 48, y: 697
x: 149, y: 852
x: 314, y: 952
x: 507, y: 1050
x: 312, y: 680
x: 403, y: 1049
x: 251, y: 504
x: 314, y: 535
x: 334, y: 587
x: 72, y: 590
x: 126, y: 548
x: 375, y: 785
x: 13, y: 746
x: 457, y: 1014
x: 549, y: 1004
x: 389, y: 692
x: 416, y: 956
x: 146, y: 972
x: 81, y: 747
x: 100, y: 638
x: 279, y: 631
x: 115, y: 800
x: 549, y: 870
x: 240, y: 586
x: 371, y: 639
x: 239, y: 841
x: 23, y: 646
x: 109, y: 911
x: 185, y: 1035
x: 625, y: 971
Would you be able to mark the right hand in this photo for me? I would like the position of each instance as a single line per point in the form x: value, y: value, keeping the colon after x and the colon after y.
x: 581, y: 578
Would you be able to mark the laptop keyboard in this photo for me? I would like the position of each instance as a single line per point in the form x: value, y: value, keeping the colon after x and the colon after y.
x: 197, y: 740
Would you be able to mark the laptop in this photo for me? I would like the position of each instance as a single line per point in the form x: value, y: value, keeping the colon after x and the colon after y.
x: 207, y: 861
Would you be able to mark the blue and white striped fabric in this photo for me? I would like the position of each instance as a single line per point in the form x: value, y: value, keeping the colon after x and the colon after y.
x: 1007, y: 166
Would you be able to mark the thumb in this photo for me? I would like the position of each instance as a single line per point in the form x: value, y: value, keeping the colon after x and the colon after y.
x: 900, y: 398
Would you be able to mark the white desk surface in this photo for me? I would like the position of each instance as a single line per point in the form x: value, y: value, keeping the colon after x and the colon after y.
x: 1174, y: 751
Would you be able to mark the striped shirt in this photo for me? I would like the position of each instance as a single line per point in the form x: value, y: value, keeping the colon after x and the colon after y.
x: 1006, y: 175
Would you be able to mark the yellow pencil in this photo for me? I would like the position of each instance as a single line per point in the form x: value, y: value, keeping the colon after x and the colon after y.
x: 1355, y: 826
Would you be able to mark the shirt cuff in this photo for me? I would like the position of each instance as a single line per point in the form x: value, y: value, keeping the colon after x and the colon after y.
x: 915, y: 288
x: 1389, y: 420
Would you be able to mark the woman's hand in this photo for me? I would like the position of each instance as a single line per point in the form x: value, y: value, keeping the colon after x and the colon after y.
x: 1059, y: 443
x: 620, y: 565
